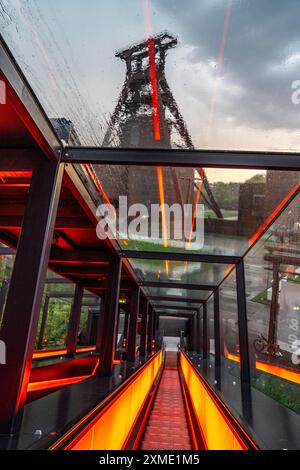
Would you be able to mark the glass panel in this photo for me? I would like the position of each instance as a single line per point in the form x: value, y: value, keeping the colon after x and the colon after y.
x: 90, y: 306
x: 180, y: 293
x: 56, y: 309
x: 232, y: 206
x: 273, y: 307
x: 230, y: 357
x: 178, y: 271
x: 188, y: 81
x: 210, y: 326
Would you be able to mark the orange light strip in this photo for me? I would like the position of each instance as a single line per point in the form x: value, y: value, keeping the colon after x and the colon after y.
x: 210, y: 415
x: 152, y: 69
x: 119, y: 415
x: 278, y: 371
x: 48, y: 384
x: 60, y: 352
x: 98, y: 185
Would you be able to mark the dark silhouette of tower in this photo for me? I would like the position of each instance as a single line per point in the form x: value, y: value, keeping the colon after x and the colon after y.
x: 132, y: 123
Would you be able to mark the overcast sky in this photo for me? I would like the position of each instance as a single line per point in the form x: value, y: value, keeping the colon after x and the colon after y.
x: 66, y: 49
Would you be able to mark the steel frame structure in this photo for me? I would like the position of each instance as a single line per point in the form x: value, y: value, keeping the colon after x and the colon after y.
x: 44, y: 204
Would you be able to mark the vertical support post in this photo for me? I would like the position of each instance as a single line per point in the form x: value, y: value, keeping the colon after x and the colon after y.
x: 20, y: 319
x: 74, y: 322
x: 100, y: 325
x: 125, y: 332
x: 217, y: 335
x: 150, y: 330
x: 194, y: 332
x: 134, y: 311
x: 154, y: 327
x: 143, y: 343
x: 198, y: 323
x: 43, y: 322
x: 245, y: 372
x: 110, y: 317
x: 205, y: 331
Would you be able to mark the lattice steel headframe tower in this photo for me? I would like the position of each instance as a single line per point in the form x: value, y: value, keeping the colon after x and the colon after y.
x: 134, y: 121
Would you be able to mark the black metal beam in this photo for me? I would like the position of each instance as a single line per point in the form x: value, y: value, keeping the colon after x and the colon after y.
x: 174, y: 298
x: 199, y: 332
x: 174, y: 315
x: 172, y: 307
x: 177, y: 285
x: 245, y: 371
x: 100, y: 323
x: 110, y: 317
x: 144, y: 308
x: 20, y: 319
x: 134, y: 310
x: 185, y: 256
x: 19, y: 159
x: 83, y: 256
x: 92, y: 270
x: 194, y: 332
x: 217, y: 335
x: 150, y: 330
x: 20, y: 94
x: 184, y: 158
x: 74, y: 322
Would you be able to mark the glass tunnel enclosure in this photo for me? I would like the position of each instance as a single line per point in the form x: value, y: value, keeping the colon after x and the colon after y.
x: 149, y: 226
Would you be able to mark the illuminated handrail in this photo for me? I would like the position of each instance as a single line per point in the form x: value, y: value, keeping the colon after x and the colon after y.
x: 109, y: 425
x: 219, y: 429
x: 45, y: 353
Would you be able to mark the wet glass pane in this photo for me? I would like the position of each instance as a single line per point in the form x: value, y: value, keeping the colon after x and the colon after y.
x: 230, y: 385
x: 55, y: 312
x: 90, y: 307
x: 180, y: 293
x: 214, y: 75
x: 217, y: 211
x: 272, y: 282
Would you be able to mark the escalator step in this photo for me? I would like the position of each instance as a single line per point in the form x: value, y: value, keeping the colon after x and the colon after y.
x: 167, y: 428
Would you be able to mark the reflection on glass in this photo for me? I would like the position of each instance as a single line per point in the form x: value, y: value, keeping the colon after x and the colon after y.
x: 215, y: 75
x: 178, y: 271
x: 272, y: 283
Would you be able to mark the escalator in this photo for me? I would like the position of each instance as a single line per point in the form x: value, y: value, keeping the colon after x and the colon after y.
x: 167, y: 427
x: 165, y: 404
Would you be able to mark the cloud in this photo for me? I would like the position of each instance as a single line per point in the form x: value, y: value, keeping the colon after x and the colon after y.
x: 261, y: 57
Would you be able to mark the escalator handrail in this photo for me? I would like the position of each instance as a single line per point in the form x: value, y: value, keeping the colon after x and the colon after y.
x: 228, y: 415
x: 87, y: 420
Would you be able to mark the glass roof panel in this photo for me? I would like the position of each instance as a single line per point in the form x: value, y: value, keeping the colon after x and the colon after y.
x: 178, y: 271
x: 180, y: 305
x: 175, y: 292
x: 217, y: 74
x: 232, y: 205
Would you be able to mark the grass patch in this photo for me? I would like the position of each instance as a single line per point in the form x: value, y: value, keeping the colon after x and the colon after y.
x: 261, y: 298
